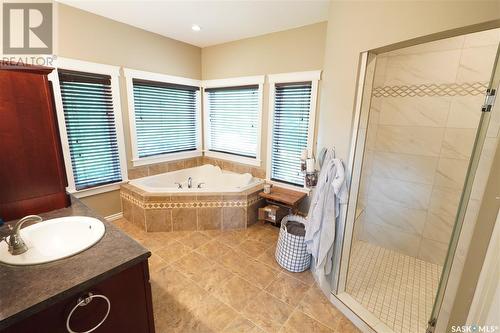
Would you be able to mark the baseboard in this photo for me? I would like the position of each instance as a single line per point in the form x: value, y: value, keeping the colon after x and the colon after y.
x: 114, y: 217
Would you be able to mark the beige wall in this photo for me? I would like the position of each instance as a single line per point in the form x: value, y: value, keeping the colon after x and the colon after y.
x: 293, y: 50
x: 357, y: 26
x: 86, y: 36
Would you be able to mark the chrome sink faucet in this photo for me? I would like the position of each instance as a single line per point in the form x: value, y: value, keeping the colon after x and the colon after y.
x: 15, y: 242
x: 190, y: 182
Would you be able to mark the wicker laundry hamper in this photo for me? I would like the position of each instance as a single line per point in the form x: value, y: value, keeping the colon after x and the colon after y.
x: 291, y: 252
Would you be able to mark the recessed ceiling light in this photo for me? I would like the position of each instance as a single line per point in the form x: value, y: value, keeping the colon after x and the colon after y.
x: 196, y: 27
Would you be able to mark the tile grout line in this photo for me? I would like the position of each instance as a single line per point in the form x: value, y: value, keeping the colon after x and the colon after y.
x: 413, y: 278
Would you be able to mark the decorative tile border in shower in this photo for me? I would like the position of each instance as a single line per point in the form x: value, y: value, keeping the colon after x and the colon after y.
x: 422, y: 90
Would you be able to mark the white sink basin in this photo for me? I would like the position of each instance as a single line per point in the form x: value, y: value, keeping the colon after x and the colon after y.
x: 55, y: 239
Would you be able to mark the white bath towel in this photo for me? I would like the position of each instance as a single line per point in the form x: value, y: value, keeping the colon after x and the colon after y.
x: 330, y: 192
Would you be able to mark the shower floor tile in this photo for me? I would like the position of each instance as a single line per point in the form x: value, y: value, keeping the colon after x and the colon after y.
x: 398, y: 289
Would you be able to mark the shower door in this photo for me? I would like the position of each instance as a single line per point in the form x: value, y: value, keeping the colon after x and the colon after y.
x: 486, y: 111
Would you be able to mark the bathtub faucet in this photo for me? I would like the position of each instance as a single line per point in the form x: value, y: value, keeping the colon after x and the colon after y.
x: 190, y: 182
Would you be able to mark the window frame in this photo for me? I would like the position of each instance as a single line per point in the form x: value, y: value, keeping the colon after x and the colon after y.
x: 130, y: 75
x: 95, y: 68
x: 229, y: 83
x: 306, y: 76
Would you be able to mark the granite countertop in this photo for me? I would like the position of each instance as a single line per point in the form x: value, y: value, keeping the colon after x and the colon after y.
x: 25, y: 290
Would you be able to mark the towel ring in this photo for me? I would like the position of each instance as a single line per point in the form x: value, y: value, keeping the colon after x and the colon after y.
x: 83, y: 301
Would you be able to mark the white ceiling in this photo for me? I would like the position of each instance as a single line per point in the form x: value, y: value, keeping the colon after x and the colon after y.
x: 220, y: 21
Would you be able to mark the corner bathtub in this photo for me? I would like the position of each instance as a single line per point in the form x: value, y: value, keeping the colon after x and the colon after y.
x: 210, y: 178
x: 225, y: 200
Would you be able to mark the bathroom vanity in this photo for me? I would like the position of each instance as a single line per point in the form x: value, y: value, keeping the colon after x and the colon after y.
x: 108, y: 283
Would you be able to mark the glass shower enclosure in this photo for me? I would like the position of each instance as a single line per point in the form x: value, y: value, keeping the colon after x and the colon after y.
x: 420, y: 129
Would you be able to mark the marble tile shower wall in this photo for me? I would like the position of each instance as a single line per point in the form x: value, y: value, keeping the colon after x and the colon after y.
x: 424, y: 114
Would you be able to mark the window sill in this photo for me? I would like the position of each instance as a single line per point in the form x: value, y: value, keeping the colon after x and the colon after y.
x: 95, y: 190
x: 165, y: 158
x: 290, y: 187
x: 233, y: 158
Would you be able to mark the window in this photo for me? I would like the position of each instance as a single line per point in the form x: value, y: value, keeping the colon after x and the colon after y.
x: 233, y: 119
x: 293, y: 104
x: 233, y: 115
x: 164, y: 117
x: 90, y: 126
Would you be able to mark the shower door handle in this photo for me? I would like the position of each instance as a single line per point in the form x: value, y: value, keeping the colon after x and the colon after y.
x: 489, y: 100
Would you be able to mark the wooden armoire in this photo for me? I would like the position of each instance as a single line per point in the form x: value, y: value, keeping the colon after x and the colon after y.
x: 32, y: 172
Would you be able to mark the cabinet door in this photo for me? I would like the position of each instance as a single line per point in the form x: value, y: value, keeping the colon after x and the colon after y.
x: 32, y: 174
x: 129, y: 295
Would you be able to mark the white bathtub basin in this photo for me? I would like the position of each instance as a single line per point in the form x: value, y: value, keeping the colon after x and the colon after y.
x: 55, y: 239
x: 204, y: 178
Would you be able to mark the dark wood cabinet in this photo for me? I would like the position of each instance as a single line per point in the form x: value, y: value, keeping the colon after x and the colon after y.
x: 32, y: 173
x: 129, y: 295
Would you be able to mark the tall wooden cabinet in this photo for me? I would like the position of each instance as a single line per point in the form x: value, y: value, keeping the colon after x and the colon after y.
x: 32, y: 173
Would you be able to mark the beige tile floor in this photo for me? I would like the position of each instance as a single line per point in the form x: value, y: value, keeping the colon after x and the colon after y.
x: 398, y: 289
x: 228, y: 281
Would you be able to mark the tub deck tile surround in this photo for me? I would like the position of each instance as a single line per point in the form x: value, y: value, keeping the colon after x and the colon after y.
x: 154, y: 169
x: 158, y: 219
x: 202, y: 282
x: 234, y: 218
x: 188, y: 212
x: 182, y: 212
x: 182, y: 220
